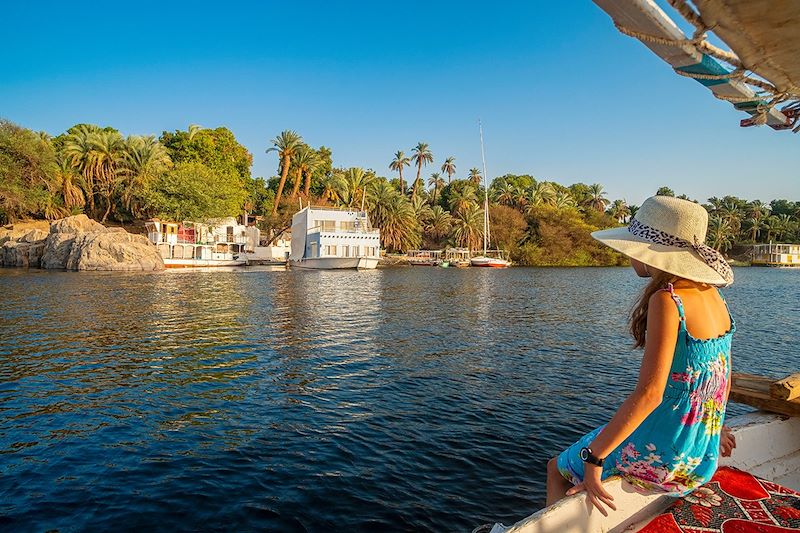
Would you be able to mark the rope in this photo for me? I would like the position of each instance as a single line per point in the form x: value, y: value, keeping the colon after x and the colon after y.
x: 698, y: 40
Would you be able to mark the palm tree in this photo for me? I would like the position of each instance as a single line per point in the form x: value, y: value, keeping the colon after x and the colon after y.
x: 77, y: 150
x: 144, y: 160
x: 193, y: 130
x: 422, y: 211
x: 304, y: 162
x: 400, y: 160
x: 105, y: 159
x: 597, y: 199
x: 310, y: 166
x: 619, y: 211
x: 355, y: 181
x: 756, y: 212
x: 438, y: 223
x: 540, y: 193
x: 332, y: 188
x: 474, y: 176
x: 506, y: 194
x: 467, y: 227
x: 422, y: 155
x: 449, y: 168
x: 437, y: 183
x: 393, y: 214
x: 563, y: 200
x: 70, y: 184
x: 287, y: 144
x: 462, y: 198
x: 720, y: 233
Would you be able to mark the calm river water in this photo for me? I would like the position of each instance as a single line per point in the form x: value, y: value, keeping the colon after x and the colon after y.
x: 398, y: 399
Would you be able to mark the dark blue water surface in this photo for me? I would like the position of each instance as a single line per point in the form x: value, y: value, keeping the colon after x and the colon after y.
x: 397, y: 399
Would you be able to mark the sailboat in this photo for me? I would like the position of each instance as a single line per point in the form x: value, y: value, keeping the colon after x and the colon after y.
x: 497, y: 261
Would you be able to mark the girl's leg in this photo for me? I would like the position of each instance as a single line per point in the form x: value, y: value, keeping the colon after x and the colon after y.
x: 557, y: 485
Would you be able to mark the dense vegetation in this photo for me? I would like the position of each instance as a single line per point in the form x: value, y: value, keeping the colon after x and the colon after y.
x: 204, y: 173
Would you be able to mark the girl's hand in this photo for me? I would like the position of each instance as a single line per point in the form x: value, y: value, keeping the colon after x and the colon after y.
x: 595, y: 492
x: 727, y: 442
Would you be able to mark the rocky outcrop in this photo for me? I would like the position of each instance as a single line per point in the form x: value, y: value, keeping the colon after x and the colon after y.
x: 78, y: 243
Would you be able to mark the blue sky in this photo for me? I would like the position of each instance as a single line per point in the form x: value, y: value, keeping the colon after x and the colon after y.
x: 562, y: 95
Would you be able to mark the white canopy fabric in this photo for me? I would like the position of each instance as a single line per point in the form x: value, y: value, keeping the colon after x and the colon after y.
x: 764, y: 34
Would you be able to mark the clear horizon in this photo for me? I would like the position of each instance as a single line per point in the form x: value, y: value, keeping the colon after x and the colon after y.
x: 562, y: 95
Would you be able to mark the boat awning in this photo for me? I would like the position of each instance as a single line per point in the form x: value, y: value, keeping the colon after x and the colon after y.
x: 760, y: 74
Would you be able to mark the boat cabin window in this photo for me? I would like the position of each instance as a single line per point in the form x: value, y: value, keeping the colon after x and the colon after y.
x: 314, y: 249
x: 330, y: 250
x: 230, y: 233
x: 328, y: 225
x: 347, y: 225
x: 345, y: 251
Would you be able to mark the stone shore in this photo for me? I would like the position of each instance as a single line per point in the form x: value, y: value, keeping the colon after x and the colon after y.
x: 76, y: 243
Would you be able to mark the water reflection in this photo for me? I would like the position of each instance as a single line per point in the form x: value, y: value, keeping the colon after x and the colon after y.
x: 423, y: 398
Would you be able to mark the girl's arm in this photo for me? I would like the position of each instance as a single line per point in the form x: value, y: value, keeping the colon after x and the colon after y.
x: 662, y: 326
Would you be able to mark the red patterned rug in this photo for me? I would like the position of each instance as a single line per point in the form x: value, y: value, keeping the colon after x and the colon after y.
x: 732, y: 502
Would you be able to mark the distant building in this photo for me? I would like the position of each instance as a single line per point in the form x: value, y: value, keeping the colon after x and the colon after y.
x: 781, y: 255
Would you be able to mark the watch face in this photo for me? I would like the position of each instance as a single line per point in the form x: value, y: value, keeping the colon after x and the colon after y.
x: 584, y: 454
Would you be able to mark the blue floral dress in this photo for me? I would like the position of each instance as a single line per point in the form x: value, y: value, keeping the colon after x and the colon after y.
x: 675, y: 449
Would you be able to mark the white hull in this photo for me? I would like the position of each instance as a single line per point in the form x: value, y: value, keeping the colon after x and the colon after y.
x: 767, y: 446
x: 194, y: 263
x: 491, y: 262
x: 336, y: 263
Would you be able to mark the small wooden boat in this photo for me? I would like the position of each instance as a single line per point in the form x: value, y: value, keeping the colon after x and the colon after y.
x: 767, y: 446
x: 460, y: 263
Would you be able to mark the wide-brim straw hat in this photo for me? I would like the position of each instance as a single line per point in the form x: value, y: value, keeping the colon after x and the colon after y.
x: 669, y: 234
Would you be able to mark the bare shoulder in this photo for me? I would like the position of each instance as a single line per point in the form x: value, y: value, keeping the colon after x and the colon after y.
x: 663, y: 306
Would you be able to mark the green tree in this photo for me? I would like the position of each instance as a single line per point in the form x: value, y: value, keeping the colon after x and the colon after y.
x: 400, y: 160
x: 449, y: 168
x: 192, y: 191
x: 474, y: 176
x: 144, y: 160
x: 597, y: 199
x: 438, y: 224
x: 665, y: 191
x: 422, y: 155
x: 467, y: 227
x: 27, y: 174
x: 437, y: 183
x: 720, y: 234
x: 356, y: 182
x: 106, y: 158
x: 287, y: 144
x: 619, y: 211
x: 462, y: 197
x: 393, y: 214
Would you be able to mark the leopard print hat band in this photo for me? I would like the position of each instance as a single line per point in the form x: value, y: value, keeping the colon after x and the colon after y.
x: 710, y: 256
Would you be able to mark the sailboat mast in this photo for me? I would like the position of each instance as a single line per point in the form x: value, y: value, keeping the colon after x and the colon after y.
x: 485, y: 196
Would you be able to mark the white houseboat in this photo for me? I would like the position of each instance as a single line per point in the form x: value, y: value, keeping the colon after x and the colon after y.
x: 779, y: 255
x: 194, y: 244
x: 332, y: 238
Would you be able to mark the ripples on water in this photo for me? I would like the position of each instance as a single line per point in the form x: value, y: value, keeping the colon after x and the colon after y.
x: 398, y: 399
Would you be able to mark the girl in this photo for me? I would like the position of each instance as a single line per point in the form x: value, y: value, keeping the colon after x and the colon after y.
x: 668, y: 434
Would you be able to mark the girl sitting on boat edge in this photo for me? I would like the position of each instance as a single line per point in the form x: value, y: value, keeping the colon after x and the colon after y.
x: 668, y: 434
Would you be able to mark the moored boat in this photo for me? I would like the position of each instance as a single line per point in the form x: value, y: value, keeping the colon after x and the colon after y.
x: 490, y: 258
x: 218, y: 243
x: 491, y: 262
x: 327, y: 238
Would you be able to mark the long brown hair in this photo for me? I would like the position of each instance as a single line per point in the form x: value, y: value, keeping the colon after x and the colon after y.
x: 658, y: 281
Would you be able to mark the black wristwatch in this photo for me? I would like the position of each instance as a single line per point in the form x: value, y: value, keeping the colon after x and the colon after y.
x: 588, y: 457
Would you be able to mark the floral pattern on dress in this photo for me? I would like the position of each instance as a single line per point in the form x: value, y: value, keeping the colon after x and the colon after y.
x: 676, y: 448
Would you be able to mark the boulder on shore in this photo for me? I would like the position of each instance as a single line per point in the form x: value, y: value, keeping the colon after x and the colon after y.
x: 78, y: 243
